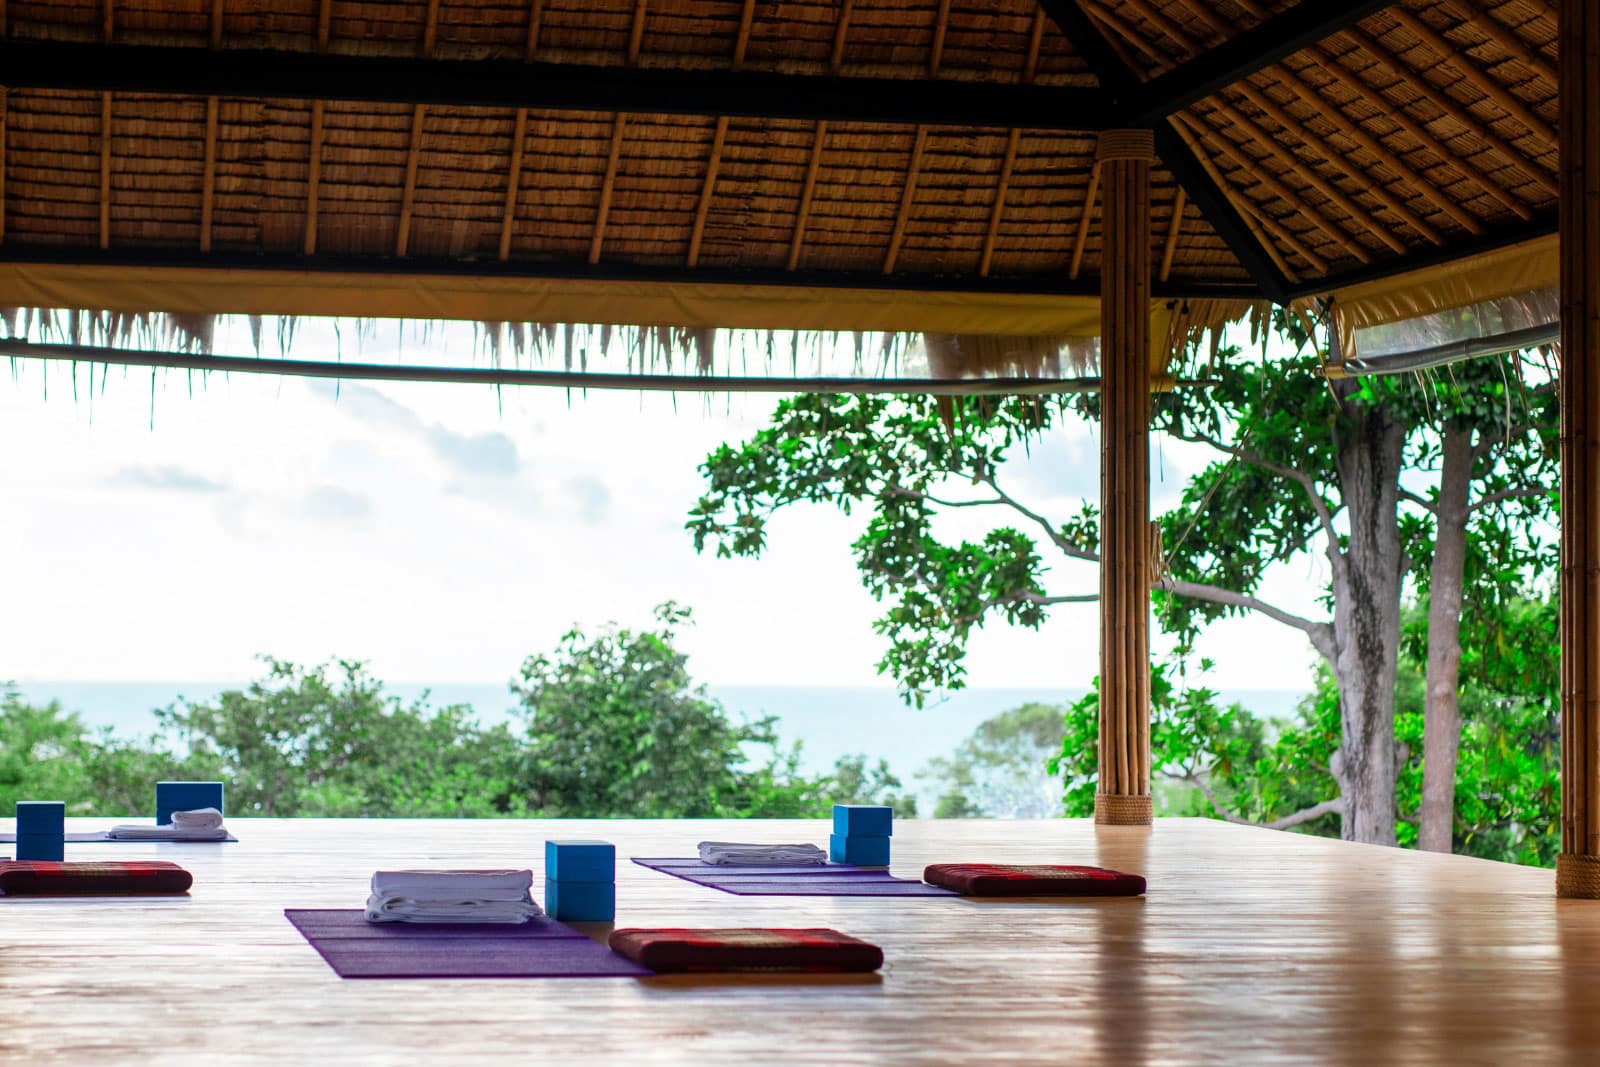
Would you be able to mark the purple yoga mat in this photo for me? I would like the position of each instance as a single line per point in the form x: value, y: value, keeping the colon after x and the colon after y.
x: 543, y: 948
x: 821, y: 880
x: 102, y: 837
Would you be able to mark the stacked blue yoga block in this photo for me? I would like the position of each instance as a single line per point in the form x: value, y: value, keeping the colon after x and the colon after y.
x: 41, y: 830
x: 861, y: 834
x: 186, y: 796
x: 580, y: 881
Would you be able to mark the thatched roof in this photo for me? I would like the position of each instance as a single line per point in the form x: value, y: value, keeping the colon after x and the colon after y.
x: 928, y: 157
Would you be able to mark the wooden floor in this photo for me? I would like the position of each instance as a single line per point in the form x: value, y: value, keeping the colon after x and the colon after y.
x: 1251, y: 947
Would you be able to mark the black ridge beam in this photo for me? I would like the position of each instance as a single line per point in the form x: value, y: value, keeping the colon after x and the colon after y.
x: 1220, y: 213
x: 1117, y: 81
x: 1541, y: 225
x: 1102, y: 59
x: 559, y: 87
x: 1053, y: 283
x: 1237, y: 58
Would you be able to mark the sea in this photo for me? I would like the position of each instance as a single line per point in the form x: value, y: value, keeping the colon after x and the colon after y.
x: 827, y: 722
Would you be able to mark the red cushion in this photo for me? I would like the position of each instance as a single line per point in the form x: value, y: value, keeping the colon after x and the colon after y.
x: 747, y: 949
x: 1032, y: 880
x: 43, y: 878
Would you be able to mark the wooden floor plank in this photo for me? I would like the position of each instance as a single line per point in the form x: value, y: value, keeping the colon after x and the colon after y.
x: 1251, y: 947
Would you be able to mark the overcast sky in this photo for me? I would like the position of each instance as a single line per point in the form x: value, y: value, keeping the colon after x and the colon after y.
x: 442, y: 532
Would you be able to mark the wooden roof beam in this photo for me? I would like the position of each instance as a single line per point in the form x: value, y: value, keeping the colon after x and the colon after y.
x: 707, y: 190
x: 519, y: 138
x: 636, y: 34
x: 1174, y: 227
x: 908, y: 196
x: 216, y: 23
x: 402, y: 240
x: 535, y: 21
x: 1004, y: 186
x: 618, y: 126
x: 741, y: 43
x: 1240, y: 56
x: 840, y: 31
x: 807, y: 191
x: 456, y: 83
x: 1081, y: 237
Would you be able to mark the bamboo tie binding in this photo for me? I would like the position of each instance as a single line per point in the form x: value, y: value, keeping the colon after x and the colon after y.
x: 1578, y: 876
x: 1114, y: 809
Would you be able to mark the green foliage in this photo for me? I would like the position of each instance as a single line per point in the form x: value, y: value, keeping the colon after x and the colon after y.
x: 896, y: 456
x: 611, y: 726
x: 1000, y: 771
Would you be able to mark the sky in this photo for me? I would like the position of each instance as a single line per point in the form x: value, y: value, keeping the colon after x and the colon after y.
x: 443, y: 532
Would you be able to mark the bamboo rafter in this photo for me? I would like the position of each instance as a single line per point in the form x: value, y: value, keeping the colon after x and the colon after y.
x: 513, y: 182
x: 105, y: 170
x: 1492, y: 28
x: 1225, y: 148
x: 430, y: 29
x: 1327, y: 110
x: 1030, y: 63
x: 216, y: 23
x: 807, y: 190
x: 741, y: 43
x: 636, y: 34
x: 1173, y: 229
x: 208, y: 177
x: 908, y: 195
x: 313, y: 177
x: 1081, y: 238
x: 840, y: 31
x: 1309, y: 175
x: 1123, y: 35
x: 618, y: 126
x: 941, y: 22
x: 324, y: 24
x: 1255, y: 217
x: 535, y: 17
x: 1288, y: 123
x: 1333, y: 68
x: 1458, y: 114
x: 402, y: 239
x: 1001, y: 189
x: 1482, y: 82
x: 4, y: 121
x: 707, y: 190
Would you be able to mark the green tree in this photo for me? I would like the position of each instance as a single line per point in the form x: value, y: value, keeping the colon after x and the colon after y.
x: 327, y: 742
x: 1304, y: 465
x: 1001, y: 770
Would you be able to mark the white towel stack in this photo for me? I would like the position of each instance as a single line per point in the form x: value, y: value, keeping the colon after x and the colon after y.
x: 202, y: 824
x: 452, y: 897
x: 731, y: 854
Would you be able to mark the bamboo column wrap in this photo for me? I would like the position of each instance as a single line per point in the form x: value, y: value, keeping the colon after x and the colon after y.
x: 1124, y: 792
x: 1578, y: 866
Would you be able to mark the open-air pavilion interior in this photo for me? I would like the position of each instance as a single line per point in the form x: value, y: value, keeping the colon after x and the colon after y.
x: 1045, y: 195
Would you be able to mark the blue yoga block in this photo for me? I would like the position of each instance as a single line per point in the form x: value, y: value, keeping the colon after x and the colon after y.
x: 186, y: 796
x: 51, y: 847
x: 580, y: 861
x: 861, y: 851
x: 41, y: 818
x: 582, y: 902
x: 863, y: 820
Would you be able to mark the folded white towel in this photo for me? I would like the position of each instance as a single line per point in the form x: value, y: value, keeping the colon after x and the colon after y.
x: 202, y: 824
x: 451, y: 897
x: 731, y: 854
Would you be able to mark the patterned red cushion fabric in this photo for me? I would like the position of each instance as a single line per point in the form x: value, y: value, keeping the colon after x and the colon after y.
x: 1032, y: 880
x: 41, y: 878
x: 747, y: 949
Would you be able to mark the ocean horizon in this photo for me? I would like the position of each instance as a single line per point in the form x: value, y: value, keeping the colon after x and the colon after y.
x: 826, y: 721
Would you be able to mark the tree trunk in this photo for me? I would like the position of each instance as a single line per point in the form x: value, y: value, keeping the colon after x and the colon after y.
x: 1366, y: 616
x: 1441, y: 730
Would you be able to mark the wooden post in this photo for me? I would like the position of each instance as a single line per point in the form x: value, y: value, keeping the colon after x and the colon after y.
x: 1124, y: 158
x: 1578, y: 865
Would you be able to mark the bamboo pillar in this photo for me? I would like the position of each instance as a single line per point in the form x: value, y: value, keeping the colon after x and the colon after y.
x: 1124, y: 794
x: 1578, y: 866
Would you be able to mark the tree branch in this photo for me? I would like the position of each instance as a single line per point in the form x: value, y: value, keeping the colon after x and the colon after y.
x: 1422, y: 502
x: 1320, y: 633
x: 1300, y: 478
x: 1496, y: 497
x: 1304, y: 815
x: 1069, y: 548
